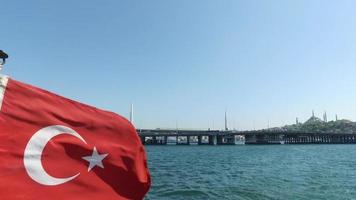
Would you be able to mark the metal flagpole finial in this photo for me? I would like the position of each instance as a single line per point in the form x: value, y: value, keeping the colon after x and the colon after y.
x: 3, y: 56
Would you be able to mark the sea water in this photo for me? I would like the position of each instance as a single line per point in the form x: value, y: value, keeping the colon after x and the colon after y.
x: 252, y: 172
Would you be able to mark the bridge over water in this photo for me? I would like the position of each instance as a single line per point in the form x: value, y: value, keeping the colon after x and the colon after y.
x: 231, y: 137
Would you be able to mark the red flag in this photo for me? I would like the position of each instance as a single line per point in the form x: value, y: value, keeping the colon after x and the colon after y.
x: 55, y: 148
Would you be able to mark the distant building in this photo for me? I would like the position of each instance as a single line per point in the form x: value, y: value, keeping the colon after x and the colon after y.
x: 313, y: 119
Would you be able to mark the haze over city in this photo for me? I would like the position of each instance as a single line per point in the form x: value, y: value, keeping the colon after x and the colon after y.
x: 182, y: 64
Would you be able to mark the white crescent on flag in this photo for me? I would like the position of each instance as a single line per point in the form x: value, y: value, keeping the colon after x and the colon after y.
x: 33, y: 153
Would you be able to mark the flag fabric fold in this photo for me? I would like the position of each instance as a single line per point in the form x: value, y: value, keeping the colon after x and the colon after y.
x: 52, y: 147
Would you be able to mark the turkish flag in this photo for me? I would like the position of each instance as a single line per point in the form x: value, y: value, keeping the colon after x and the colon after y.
x: 56, y: 148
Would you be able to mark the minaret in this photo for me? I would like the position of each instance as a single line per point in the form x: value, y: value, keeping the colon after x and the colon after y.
x: 313, y: 114
x: 296, y: 121
x: 131, y: 114
x: 336, y: 117
x: 226, y: 122
x: 325, y: 117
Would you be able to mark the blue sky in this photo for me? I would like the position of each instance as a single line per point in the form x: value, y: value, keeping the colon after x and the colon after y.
x: 182, y: 63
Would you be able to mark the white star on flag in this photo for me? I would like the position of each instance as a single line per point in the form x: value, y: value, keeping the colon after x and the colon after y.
x: 95, y: 159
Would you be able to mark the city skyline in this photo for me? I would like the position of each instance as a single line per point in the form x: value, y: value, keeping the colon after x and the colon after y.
x: 230, y: 126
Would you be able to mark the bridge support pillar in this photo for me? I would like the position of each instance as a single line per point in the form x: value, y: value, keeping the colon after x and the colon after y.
x: 200, y: 139
x: 219, y: 139
x: 212, y: 139
x: 165, y: 138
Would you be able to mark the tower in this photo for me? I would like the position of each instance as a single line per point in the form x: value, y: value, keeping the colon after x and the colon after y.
x: 226, y: 122
x: 325, y: 118
x: 336, y: 117
x: 131, y: 114
x: 296, y: 121
x: 313, y: 114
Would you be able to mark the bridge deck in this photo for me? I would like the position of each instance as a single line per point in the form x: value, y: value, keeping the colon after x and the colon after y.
x: 213, y: 137
x: 174, y: 132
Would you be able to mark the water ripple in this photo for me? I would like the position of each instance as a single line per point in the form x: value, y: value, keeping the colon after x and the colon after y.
x: 253, y: 172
